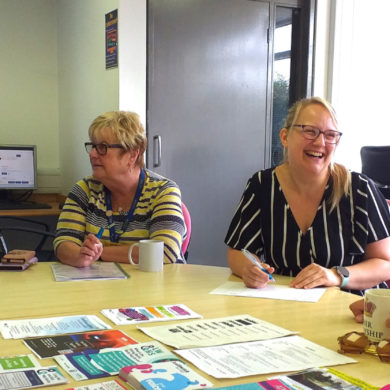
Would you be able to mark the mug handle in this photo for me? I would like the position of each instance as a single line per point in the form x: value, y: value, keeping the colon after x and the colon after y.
x: 130, y: 251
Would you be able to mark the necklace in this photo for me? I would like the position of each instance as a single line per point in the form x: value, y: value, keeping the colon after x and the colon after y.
x: 114, y: 233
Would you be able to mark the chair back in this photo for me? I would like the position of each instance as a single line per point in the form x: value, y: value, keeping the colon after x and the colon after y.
x: 187, y: 220
x: 29, y: 234
x: 376, y: 165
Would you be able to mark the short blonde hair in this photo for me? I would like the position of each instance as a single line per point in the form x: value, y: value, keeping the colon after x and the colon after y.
x: 340, y: 175
x: 126, y: 127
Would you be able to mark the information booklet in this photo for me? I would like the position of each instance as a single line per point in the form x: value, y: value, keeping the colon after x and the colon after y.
x: 109, y: 385
x: 31, y: 377
x: 12, y: 363
x: 100, y: 270
x: 47, y: 347
x: 172, y: 375
x: 21, y: 329
x: 109, y: 361
x: 323, y: 379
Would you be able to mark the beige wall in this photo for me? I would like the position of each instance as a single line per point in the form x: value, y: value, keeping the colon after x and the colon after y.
x: 28, y: 81
x: 86, y: 88
x: 54, y: 82
x: 132, y: 60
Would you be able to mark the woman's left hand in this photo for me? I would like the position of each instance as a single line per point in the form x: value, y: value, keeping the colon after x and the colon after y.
x: 314, y: 275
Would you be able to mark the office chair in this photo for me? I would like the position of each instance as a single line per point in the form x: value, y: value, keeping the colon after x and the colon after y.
x: 376, y: 165
x: 22, y: 233
x: 187, y: 220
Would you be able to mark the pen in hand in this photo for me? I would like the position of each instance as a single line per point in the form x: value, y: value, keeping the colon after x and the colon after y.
x: 254, y: 261
x: 100, y: 233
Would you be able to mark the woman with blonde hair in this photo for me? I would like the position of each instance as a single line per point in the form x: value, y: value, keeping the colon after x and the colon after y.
x: 121, y: 202
x: 309, y: 217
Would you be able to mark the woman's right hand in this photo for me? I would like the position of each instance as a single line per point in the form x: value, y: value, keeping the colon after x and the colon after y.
x: 90, y: 251
x: 251, y: 275
x: 254, y: 277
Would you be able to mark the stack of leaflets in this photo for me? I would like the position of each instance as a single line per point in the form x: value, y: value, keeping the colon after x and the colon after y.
x: 163, y: 376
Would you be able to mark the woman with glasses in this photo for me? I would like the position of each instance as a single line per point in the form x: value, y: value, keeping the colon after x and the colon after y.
x: 309, y: 217
x: 121, y: 202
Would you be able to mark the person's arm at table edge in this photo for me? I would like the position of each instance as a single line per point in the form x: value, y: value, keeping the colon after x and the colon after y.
x: 70, y: 253
x: 119, y: 253
x: 374, y: 269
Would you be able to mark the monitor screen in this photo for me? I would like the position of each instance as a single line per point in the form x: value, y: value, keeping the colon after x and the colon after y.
x: 18, y: 167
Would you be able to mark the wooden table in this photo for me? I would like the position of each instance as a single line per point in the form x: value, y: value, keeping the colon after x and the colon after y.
x: 34, y: 293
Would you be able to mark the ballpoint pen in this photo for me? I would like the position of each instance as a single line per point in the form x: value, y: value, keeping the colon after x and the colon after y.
x: 100, y: 233
x: 254, y: 261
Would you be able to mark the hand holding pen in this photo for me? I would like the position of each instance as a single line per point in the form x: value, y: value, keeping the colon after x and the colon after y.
x: 253, y: 259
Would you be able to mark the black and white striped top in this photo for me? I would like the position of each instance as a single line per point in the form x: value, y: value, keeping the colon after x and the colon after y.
x: 264, y: 224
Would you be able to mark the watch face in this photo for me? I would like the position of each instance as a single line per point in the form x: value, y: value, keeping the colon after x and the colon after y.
x: 343, y: 271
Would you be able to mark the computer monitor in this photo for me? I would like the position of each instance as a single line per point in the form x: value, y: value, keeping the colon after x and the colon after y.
x: 18, y: 167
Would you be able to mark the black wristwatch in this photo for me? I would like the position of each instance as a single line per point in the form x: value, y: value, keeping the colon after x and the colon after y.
x: 344, y: 274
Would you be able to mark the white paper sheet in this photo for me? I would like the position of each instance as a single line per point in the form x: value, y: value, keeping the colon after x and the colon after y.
x: 217, y: 331
x: 291, y: 353
x: 272, y: 291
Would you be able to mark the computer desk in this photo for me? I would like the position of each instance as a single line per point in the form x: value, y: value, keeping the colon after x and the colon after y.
x: 54, y: 200
x: 34, y: 293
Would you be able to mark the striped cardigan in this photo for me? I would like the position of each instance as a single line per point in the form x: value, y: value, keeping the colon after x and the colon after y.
x: 157, y: 215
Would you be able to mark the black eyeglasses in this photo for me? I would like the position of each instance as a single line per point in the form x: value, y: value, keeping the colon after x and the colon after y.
x: 312, y: 133
x: 101, y: 148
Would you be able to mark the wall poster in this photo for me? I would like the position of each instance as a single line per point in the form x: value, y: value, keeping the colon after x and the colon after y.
x: 112, y: 39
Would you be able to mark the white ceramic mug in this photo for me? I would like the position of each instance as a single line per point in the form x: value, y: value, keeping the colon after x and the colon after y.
x: 376, y: 311
x: 151, y: 255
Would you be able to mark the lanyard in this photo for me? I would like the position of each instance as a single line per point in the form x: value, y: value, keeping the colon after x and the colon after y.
x: 115, y: 235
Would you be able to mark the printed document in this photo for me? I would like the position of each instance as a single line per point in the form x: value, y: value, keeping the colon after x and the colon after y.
x: 225, y: 330
x: 291, y: 353
x: 272, y: 291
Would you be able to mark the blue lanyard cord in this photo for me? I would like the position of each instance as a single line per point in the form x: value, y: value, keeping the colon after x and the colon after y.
x: 115, y: 235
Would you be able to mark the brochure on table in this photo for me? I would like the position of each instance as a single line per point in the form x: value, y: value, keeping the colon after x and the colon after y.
x: 31, y: 377
x: 109, y: 361
x: 292, y: 353
x: 46, y: 347
x: 18, y: 362
x: 109, y: 385
x: 272, y: 291
x: 139, y: 314
x: 172, y: 375
x: 218, y: 331
x: 21, y: 329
